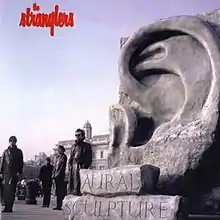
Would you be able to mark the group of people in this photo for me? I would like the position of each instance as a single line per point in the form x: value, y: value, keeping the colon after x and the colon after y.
x: 12, y: 163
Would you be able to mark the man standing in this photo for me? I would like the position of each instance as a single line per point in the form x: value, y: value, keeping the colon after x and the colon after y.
x: 11, y: 168
x: 45, y: 177
x: 59, y: 176
x: 80, y: 158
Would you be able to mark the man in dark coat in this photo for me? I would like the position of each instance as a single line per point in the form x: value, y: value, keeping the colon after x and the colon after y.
x: 59, y: 176
x: 45, y: 177
x: 11, y: 169
x: 80, y: 158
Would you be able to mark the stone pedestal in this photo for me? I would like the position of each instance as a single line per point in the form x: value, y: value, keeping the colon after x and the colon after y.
x: 121, y: 193
x: 124, y: 180
x: 31, y: 193
x: 21, y: 193
x: 149, y: 207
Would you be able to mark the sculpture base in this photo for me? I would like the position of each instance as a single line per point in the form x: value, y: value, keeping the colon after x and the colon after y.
x: 31, y: 189
x: 31, y: 202
x: 203, y: 216
x: 21, y: 194
x: 149, y: 207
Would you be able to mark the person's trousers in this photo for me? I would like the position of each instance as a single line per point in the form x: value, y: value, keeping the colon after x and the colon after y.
x: 46, y: 194
x: 60, y: 192
x: 74, y: 180
x: 9, y: 191
x: 2, y: 196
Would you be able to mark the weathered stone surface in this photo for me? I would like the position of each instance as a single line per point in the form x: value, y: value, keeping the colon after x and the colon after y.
x: 121, y: 208
x: 170, y: 72
x: 131, y: 179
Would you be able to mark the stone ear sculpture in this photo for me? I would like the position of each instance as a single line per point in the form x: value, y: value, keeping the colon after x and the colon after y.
x: 169, y: 118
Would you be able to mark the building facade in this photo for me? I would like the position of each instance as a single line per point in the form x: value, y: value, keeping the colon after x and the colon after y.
x: 40, y: 159
x: 100, y: 147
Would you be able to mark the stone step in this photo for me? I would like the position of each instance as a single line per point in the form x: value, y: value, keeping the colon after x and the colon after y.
x: 130, y: 179
x: 149, y: 207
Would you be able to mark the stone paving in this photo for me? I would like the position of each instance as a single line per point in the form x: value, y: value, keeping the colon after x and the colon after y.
x: 35, y: 212
x: 32, y: 212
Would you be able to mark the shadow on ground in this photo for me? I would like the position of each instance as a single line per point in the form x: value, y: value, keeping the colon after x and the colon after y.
x: 33, y: 212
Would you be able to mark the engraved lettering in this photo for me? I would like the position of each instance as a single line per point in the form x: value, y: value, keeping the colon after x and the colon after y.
x: 94, y: 205
x: 108, y: 181
x: 93, y: 181
x: 131, y: 181
x: 105, y: 208
x: 111, y: 206
x: 67, y: 209
x: 122, y: 182
x: 75, y: 208
x: 163, y: 210
x: 148, y: 208
x: 122, y: 207
x: 131, y: 213
x: 86, y: 181
x: 101, y: 182
x: 100, y: 204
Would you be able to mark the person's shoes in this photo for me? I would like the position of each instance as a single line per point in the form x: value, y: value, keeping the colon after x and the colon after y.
x: 7, y: 211
x: 57, y: 208
x: 43, y: 206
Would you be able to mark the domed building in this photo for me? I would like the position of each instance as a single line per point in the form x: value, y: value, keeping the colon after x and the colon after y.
x: 100, y: 147
x: 88, y: 130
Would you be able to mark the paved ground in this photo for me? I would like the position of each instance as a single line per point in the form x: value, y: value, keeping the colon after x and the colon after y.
x: 35, y: 212
x: 32, y: 212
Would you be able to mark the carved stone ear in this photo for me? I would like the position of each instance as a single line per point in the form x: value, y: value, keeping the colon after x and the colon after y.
x: 171, y: 68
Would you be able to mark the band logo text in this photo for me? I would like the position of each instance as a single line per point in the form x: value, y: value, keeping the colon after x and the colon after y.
x: 50, y: 20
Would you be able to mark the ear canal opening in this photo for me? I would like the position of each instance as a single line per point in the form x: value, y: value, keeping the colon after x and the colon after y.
x: 144, y: 131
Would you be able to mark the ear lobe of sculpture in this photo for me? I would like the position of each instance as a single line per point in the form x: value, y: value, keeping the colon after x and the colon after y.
x: 160, y: 31
x: 123, y: 124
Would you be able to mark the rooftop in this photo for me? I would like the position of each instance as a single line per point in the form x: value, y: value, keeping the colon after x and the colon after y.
x: 87, y: 125
x: 65, y: 142
x: 101, y: 136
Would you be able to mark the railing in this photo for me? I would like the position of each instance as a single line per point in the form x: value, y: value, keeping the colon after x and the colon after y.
x: 104, y: 142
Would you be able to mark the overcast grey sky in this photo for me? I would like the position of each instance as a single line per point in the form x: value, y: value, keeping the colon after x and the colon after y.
x: 49, y: 86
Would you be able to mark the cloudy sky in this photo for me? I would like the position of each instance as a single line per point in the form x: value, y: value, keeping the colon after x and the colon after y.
x: 49, y: 86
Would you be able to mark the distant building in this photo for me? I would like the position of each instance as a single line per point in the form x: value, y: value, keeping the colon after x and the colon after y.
x: 31, y: 170
x: 32, y: 163
x: 32, y: 167
x: 40, y: 159
x: 100, y: 147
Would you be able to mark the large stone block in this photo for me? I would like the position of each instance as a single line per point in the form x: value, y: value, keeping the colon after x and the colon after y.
x: 131, y: 179
x: 132, y: 207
